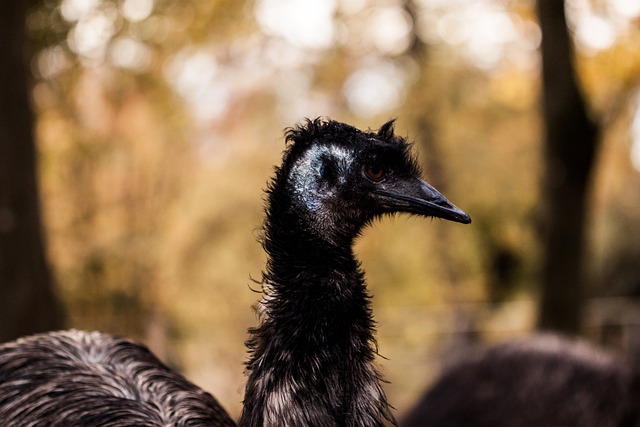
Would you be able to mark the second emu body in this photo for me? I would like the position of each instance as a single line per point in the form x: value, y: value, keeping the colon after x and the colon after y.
x: 311, y: 358
x: 546, y: 380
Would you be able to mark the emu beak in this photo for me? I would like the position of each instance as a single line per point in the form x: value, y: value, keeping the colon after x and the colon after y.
x: 418, y: 197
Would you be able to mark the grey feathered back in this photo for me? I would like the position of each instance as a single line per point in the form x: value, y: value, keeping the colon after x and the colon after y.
x: 103, y: 380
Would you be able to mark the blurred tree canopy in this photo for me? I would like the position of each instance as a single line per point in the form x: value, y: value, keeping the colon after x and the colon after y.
x: 158, y: 122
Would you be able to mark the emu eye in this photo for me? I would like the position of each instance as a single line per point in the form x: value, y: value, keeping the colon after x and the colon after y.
x: 374, y: 172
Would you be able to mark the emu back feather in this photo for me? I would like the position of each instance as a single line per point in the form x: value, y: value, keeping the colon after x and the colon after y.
x: 100, y: 380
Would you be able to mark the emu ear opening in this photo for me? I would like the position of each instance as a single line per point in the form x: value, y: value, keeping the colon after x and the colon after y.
x: 386, y: 131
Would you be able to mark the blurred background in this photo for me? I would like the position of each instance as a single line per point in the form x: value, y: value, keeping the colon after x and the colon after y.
x: 138, y: 135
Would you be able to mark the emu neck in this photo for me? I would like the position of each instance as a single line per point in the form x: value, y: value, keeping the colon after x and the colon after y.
x: 311, y: 355
x: 293, y: 252
x: 316, y: 283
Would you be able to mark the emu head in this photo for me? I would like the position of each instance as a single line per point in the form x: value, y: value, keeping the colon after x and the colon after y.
x: 335, y: 179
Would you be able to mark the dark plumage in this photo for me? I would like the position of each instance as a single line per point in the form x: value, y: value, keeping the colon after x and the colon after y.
x: 312, y: 354
x: 74, y: 378
x: 544, y: 381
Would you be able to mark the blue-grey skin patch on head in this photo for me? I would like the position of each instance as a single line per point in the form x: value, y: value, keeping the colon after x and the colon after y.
x: 306, y: 177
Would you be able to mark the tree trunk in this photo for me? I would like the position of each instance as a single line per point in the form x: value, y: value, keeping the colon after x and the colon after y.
x: 27, y: 300
x: 571, y: 140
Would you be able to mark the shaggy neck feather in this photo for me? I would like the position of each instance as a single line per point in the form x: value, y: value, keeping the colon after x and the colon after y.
x: 311, y: 360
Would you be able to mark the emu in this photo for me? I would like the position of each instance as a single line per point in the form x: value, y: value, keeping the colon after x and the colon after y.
x: 311, y: 357
x: 546, y: 380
